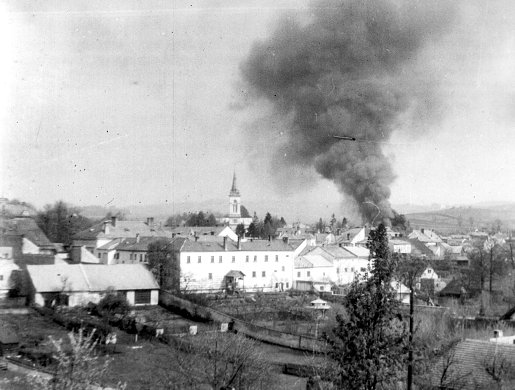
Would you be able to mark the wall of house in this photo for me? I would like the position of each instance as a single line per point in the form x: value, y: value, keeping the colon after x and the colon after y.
x: 131, y: 257
x: 347, y: 269
x: 260, y: 274
x: 318, y: 274
x: 28, y: 247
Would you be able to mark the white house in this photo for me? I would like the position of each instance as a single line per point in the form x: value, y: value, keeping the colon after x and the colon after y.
x: 255, y: 265
x: 104, y: 232
x: 78, y: 284
x: 399, y: 246
x: 7, y: 267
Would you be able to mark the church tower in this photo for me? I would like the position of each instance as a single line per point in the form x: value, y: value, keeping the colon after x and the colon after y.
x: 234, y: 200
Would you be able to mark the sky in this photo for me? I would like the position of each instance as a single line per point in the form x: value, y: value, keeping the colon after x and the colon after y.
x: 144, y: 103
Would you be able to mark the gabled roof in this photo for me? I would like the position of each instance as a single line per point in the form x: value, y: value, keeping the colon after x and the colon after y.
x: 358, y: 251
x: 454, y: 288
x: 312, y: 261
x: 419, y: 248
x: 90, y: 277
x: 246, y: 246
x: 122, y: 229
x: 472, y: 364
x: 27, y: 228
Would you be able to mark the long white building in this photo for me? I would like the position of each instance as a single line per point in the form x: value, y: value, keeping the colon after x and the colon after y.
x: 255, y: 265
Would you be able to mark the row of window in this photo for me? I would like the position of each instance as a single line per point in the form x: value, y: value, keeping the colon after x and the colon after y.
x: 254, y: 274
x: 233, y: 259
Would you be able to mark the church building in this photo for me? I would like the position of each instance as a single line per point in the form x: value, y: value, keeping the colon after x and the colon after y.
x: 234, y: 217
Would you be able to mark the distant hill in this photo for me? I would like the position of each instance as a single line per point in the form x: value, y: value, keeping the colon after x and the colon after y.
x: 465, y: 218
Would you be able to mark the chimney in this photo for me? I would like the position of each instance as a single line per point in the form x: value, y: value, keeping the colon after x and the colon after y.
x: 113, y: 220
x: 225, y: 243
x: 106, y: 227
x: 137, y: 237
x: 196, y: 237
x: 150, y: 221
x: 422, y: 230
x: 239, y: 243
x: 286, y: 239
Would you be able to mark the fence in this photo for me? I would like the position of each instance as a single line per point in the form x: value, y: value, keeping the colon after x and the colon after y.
x: 194, y: 311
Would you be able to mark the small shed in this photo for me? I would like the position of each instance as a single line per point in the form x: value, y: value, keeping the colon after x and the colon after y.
x: 9, y: 340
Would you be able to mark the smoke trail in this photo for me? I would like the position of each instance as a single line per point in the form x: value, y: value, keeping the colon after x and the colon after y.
x: 349, y: 71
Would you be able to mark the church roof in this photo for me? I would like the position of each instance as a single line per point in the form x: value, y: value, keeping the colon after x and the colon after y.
x: 234, y: 189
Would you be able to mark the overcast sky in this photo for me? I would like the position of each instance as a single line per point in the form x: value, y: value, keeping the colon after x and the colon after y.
x: 141, y: 102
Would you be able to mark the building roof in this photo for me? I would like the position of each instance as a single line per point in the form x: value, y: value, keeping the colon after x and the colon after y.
x: 35, y: 259
x: 312, y: 261
x: 122, y: 229
x: 358, y: 251
x: 454, y: 288
x: 420, y: 249
x: 425, y: 235
x: 473, y: 365
x: 91, y: 277
x: 246, y: 246
x: 27, y: 228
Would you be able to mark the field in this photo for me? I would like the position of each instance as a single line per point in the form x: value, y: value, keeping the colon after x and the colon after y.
x: 144, y: 364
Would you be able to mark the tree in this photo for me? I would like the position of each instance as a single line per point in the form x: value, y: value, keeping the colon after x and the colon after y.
x: 164, y: 264
x: 252, y: 230
x: 113, y: 303
x: 333, y: 223
x: 244, y: 212
x: 320, y: 226
x: 240, y: 230
x: 222, y: 360
x: 345, y: 223
x: 78, y: 365
x: 368, y: 343
x: 60, y: 222
x: 211, y: 220
x: 268, y: 219
x: 409, y: 271
x: 282, y: 222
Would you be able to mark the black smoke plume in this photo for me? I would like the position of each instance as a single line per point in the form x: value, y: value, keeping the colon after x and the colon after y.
x: 350, y: 70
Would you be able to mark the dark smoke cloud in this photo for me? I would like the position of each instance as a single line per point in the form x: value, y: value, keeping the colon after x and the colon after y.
x: 349, y: 71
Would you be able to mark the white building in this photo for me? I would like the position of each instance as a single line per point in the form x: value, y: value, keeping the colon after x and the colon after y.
x: 255, y: 265
x: 7, y: 267
x: 78, y: 284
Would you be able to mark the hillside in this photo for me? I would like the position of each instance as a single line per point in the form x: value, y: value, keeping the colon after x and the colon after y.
x: 465, y: 218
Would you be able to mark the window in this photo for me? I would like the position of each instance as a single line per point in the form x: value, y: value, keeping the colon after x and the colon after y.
x: 321, y: 288
x: 363, y: 269
x: 276, y: 257
x: 277, y: 285
x: 352, y: 269
x: 99, y: 255
x: 255, y: 259
x: 253, y: 274
x: 188, y: 260
x: 346, y: 270
x: 266, y: 258
x: 141, y: 257
x: 282, y: 268
x: 210, y: 276
x: 219, y: 259
x: 287, y: 285
x: 200, y: 259
x: 246, y: 259
x: 298, y: 274
x: 146, y: 258
x: 1, y: 277
x: 212, y: 259
x: 142, y: 297
x: 263, y: 274
x: 234, y: 259
x: 308, y: 273
x: 337, y: 270
x: 117, y: 256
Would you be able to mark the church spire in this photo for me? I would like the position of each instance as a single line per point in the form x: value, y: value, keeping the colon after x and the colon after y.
x: 234, y: 189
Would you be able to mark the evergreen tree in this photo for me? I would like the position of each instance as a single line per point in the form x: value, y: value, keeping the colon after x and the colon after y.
x: 368, y: 344
x: 240, y: 230
x: 252, y: 230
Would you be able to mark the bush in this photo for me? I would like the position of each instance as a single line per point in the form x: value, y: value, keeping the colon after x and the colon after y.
x: 112, y: 304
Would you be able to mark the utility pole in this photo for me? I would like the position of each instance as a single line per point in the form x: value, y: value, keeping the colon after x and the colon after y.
x: 410, y: 337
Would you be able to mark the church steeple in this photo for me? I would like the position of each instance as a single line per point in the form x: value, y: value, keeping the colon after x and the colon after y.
x: 234, y: 189
x: 234, y: 200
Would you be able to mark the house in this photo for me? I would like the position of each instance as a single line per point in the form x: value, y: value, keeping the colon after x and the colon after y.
x: 399, y: 246
x: 475, y: 364
x: 425, y: 236
x: 352, y: 237
x: 328, y: 265
x: 7, y: 268
x: 25, y: 237
x: 78, y: 284
x: 402, y: 292
x: 263, y: 265
x: 205, y: 233
x: 104, y: 232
